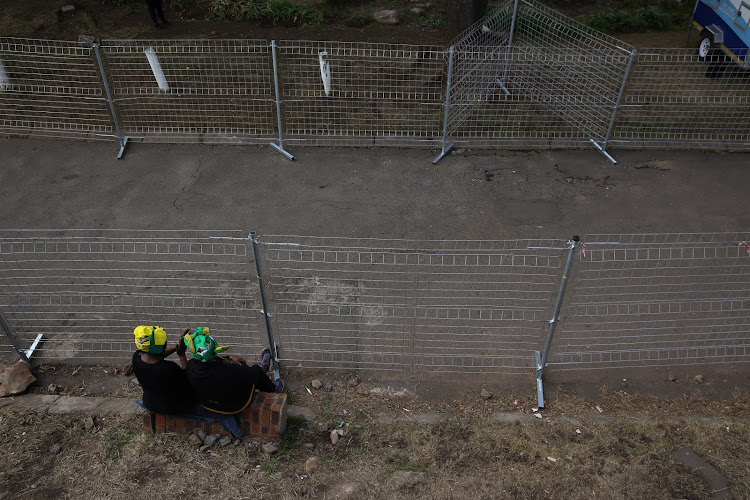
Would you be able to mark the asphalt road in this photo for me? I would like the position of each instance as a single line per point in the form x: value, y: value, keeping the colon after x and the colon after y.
x: 393, y: 193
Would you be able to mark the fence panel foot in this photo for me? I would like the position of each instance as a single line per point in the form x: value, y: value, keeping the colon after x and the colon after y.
x: 283, y: 151
x: 603, y: 151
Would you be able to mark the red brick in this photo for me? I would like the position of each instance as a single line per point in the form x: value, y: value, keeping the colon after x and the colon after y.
x: 148, y: 423
x: 161, y: 419
x: 171, y: 424
x: 180, y: 425
x: 160, y: 429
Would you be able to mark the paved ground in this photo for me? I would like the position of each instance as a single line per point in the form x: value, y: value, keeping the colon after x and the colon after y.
x: 370, y: 192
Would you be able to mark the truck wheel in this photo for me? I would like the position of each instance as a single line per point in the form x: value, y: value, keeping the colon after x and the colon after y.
x: 705, y: 48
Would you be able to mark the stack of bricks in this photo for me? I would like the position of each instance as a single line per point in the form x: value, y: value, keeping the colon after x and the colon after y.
x: 265, y: 418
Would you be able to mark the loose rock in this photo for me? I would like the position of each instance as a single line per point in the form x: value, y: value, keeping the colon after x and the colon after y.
x: 55, y: 449
x: 671, y: 378
x: 485, y: 394
x: 329, y: 387
x: 416, y: 11
x: 195, y: 441
x: 201, y: 434
x: 698, y: 379
x: 387, y: 16
x: 134, y: 381
x: 323, y: 427
x: 52, y: 388
x: 211, y: 440
x: 353, y: 382
x: 316, y: 384
x: 14, y: 379
x: 336, y: 435
x: 311, y: 464
x: 362, y: 391
x: 270, y: 448
x: 89, y: 423
x: 225, y: 441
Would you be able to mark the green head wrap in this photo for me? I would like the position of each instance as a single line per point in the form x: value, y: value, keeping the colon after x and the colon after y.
x: 202, y: 345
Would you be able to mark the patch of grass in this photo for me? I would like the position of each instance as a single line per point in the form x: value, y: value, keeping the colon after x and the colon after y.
x: 114, y: 439
x: 651, y: 18
x: 276, y: 11
x: 291, y: 438
x: 433, y: 21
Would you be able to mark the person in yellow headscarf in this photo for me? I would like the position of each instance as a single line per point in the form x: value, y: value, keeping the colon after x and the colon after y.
x: 165, y: 386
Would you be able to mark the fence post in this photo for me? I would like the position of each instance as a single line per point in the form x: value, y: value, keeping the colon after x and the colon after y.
x: 280, y: 146
x: 541, y: 361
x: 510, y: 46
x: 447, y: 147
x: 24, y: 355
x: 123, y: 140
x: 266, y: 314
x: 603, y: 148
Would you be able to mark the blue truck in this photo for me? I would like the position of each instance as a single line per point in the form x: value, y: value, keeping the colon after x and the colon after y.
x: 723, y: 24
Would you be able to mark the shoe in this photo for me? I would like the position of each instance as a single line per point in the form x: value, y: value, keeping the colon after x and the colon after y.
x: 279, y: 386
x: 265, y: 359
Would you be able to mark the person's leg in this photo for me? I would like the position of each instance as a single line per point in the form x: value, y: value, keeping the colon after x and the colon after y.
x: 152, y: 11
x: 160, y: 9
x: 229, y: 422
x: 261, y: 380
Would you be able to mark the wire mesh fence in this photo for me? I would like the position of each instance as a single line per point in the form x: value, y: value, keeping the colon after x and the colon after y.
x: 469, y: 306
x: 655, y: 300
x: 85, y: 291
x: 676, y: 99
x: 361, y: 94
x: 523, y: 76
x: 550, y: 78
x: 641, y: 300
x: 211, y: 91
x: 51, y: 89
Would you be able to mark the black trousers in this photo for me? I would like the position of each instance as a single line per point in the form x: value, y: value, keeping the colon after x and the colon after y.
x: 154, y: 7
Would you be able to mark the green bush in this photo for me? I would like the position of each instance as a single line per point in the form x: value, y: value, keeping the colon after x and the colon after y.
x: 275, y: 11
x: 639, y: 20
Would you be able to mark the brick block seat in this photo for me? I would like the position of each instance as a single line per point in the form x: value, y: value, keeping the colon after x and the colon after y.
x: 265, y: 418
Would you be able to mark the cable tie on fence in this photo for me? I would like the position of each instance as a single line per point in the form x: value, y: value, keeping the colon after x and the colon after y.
x: 747, y: 247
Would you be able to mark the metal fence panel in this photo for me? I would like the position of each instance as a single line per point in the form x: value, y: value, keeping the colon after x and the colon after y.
x: 536, y: 78
x: 212, y: 91
x: 51, y: 89
x: 378, y: 94
x: 469, y: 306
x: 675, y: 99
x: 655, y: 300
x: 86, y: 290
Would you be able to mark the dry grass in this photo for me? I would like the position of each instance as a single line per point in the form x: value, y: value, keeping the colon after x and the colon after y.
x: 470, y: 455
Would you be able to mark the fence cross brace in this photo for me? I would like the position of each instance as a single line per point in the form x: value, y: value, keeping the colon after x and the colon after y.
x: 280, y: 146
x: 603, y: 146
x: 255, y: 241
x: 24, y: 355
x: 123, y: 140
x: 540, y: 359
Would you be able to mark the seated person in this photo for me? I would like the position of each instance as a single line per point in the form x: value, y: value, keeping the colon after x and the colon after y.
x: 165, y: 386
x: 225, y: 386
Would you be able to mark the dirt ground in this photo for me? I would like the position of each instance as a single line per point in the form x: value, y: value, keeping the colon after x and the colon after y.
x: 40, y: 19
x: 396, y: 444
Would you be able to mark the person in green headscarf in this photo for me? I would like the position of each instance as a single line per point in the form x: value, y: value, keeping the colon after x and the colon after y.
x: 225, y: 385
